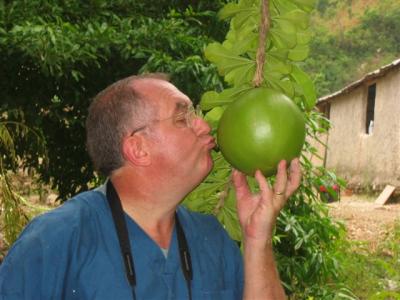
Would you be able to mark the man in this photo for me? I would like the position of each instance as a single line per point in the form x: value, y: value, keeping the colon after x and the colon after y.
x: 130, y: 239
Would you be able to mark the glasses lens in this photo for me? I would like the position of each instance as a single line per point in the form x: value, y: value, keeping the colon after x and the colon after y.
x: 199, y: 112
x: 192, y: 114
x: 185, y: 119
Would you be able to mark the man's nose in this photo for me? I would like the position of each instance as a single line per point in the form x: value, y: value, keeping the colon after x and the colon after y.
x: 200, y: 126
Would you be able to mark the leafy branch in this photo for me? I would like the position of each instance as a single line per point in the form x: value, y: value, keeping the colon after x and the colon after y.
x: 305, y: 236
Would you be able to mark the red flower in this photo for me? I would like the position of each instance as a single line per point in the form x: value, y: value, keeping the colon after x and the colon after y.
x: 322, y: 189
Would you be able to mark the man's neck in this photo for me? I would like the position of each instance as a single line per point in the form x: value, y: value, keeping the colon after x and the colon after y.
x: 157, y: 224
x: 150, y: 208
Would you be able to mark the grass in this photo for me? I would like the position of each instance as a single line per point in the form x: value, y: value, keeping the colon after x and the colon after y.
x: 373, y: 274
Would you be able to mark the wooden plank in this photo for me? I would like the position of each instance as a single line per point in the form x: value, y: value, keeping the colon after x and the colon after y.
x: 385, y: 195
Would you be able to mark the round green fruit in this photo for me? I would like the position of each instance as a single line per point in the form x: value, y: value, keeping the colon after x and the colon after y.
x: 260, y: 129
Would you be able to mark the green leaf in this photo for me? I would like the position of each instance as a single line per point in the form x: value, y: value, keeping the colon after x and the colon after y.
x: 225, y: 59
x: 298, y: 244
x: 241, y: 41
x: 228, y: 216
x: 229, y: 10
x: 212, y: 99
x: 307, y: 86
x: 299, y: 53
x: 281, y: 39
x: 241, y: 75
x: 297, y: 17
x: 52, y: 36
x: 303, y: 37
x: 307, y: 5
x: 274, y: 65
x: 230, y: 220
x: 56, y: 100
x: 7, y: 140
x: 281, y: 54
x: 76, y: 75
x: 246, y: 19
x: 283, y: 85
x: 232, y: 9
x: 213, y: 116
x: 276, y: 76
x: 209, y: 100
x: 285, y: 26
x: 287, y: 87
x: 283, y: 6
x: 207, y: 189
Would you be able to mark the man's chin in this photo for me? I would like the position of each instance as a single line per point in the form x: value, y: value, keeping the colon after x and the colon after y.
x: 206, y: 170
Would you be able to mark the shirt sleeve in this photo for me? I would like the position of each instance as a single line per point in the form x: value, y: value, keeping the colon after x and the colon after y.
x: 36, y: 264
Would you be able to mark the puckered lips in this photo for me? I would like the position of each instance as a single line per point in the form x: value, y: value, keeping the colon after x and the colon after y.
x: 209, y: 141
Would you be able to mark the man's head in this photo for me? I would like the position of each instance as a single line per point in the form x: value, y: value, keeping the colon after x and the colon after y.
x: 111, y: 114
x: 146, y: 122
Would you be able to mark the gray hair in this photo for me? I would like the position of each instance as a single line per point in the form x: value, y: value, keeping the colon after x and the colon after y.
x: 112, y: 114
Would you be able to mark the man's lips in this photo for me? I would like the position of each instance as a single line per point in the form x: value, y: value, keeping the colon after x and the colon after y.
x: 210, y: 142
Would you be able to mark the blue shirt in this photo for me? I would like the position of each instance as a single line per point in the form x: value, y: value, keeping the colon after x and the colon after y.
x: 73, y: 252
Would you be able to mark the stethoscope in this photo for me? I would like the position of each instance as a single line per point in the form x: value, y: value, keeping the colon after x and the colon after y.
x: 123, y: 238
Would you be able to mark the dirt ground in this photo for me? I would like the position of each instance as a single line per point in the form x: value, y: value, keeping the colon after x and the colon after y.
x: 365, y: 220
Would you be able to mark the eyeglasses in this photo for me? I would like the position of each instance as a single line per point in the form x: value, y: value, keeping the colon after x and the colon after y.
x: 180, y: 120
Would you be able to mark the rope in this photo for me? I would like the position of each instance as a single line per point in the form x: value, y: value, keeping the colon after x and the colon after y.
x: 262, y: 36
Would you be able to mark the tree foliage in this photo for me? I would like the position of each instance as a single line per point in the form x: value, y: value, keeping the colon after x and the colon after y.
x: 336, y: 59
x: 305, y: 239
x: 56, y: 55
x: 15, y: 210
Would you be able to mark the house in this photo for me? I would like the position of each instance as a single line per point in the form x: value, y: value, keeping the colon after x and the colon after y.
x: 363, y: 144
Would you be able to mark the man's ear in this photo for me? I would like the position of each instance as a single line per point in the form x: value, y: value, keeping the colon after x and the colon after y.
x: 135, y: 150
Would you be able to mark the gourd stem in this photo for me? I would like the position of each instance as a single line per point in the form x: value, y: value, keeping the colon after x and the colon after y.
x: 262, y: 36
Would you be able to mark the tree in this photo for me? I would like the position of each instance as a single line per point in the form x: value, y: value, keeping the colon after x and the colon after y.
x: 305, y: 235
x: 57, y: 55
x: 337, y: 59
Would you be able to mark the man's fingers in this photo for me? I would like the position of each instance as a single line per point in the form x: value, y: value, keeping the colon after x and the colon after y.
x: 294, y: 177
x: 265, y: 189
x: 281, y: 180
x: 240, y: 184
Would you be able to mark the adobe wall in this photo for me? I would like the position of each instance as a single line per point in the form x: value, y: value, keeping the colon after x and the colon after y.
x: 367, y: 159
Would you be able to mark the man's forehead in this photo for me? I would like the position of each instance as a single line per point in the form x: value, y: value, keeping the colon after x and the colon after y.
x: 160, y: 90
x: 148, y: 85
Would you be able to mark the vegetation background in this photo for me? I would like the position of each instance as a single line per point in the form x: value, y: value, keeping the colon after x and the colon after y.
x: 51, y: 54
x: 56, y: 55
x: 352, y: 38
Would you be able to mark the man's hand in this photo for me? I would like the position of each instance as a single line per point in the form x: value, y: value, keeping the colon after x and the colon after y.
x: 258, y: 212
